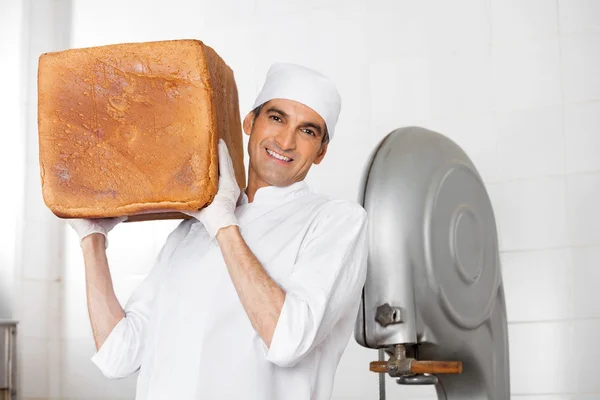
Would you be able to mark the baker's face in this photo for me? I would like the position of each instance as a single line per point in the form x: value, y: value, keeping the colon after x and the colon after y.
x: 285, y: 141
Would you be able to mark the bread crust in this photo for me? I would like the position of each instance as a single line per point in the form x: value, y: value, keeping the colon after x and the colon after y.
x: 132, y: 129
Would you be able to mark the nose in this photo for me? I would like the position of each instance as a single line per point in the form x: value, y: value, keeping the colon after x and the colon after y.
x: 286, y: 138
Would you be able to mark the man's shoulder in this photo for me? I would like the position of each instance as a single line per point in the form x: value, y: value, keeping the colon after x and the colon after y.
x: 338, y: 208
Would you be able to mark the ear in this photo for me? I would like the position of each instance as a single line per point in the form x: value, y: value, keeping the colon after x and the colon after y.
x: 248, y: 121
x: 321, y: 154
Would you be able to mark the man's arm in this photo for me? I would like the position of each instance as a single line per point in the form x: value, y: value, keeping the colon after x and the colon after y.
x: 324, y: 287
x: 120, y: 332
x: 103, y: 307
x: 260, y: 296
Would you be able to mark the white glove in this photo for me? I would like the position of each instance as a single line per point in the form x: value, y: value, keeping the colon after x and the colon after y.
x: 221, y: 212
x: 85, y: 227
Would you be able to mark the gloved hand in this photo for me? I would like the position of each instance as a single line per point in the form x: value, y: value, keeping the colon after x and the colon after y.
x: 85, y: 227
x: 221, y: 212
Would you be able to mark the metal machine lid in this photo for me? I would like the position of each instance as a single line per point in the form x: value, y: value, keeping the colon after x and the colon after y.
x: 432, y: 240
x: 460, y: 244
x: 433, y: 292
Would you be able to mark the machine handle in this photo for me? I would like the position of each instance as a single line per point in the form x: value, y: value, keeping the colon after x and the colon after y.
x: 378, y: 366
x: 421, y: 367
x: 436, y: 367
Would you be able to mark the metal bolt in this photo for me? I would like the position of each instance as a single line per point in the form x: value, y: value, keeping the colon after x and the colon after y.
x: 387, y: 315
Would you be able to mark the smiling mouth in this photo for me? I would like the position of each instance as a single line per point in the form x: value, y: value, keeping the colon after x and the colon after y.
x: 278, y: 156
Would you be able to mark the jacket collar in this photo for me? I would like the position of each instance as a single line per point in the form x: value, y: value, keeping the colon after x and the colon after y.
x: 275, y: 194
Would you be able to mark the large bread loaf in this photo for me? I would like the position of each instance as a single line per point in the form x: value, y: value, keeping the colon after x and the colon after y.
x: 132, y: 129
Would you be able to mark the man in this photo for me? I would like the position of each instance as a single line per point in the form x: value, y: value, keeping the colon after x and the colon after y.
x: 256, y: 296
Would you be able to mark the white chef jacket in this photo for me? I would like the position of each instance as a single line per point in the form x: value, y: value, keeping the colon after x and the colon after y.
x: 185, y: 328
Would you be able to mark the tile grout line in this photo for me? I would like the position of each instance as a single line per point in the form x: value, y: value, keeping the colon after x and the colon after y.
x: 554, y: 321
x: 534, y: 395
x: 540, y: 249
x: 571, y: 264
x: 541, y: 177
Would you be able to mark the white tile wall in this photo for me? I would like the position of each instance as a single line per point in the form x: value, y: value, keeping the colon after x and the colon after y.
x: 54, y: 356
x: 73, y: 268
x: 90, y: 22
x: 457, y: 25
x: 44, y: 16
x: 34, y: 381
x: 33, y: 211
x: 267, y: 7
x: 408, y: 27
x: 513, y: 82
x: 579, y: 16
x: 590, y: 396
x: 396, y: 28
x: 586, y: 352
x: 400, y: 94
x: 40, y: 257
x: 531, y: 143
x: 580, y: 56
x: 582, y: 124
x: 540, y: 357
x: 12, y: 155
x: 549, y: 274
x: 518, y: 20
x: 41, y: 309
x: 81, y: 379
x: 48, y: 238
x: 461, y: 82
x: 585, y: 276
x: 532, y: 214
x: 583, y: 214
x: 526, y: 75
x: 337, y: 48
x: 496, y: 194
x: 76, y: 323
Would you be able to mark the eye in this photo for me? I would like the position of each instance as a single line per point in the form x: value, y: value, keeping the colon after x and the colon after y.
x: 310, y: 132
x: 275, y: 118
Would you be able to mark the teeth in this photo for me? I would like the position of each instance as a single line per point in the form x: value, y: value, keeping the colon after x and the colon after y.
x: 279, y: 156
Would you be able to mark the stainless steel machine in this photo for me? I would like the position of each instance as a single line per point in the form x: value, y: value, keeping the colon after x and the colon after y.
x: 433, y: 301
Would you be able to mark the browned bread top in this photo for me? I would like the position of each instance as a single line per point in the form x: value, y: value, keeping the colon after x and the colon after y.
x: 133, y: 128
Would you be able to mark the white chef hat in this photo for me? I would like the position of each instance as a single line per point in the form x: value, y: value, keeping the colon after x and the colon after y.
x: 306, y: 86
